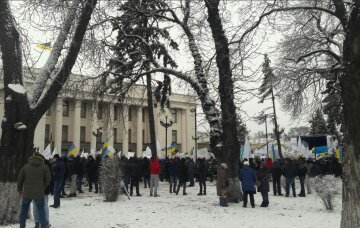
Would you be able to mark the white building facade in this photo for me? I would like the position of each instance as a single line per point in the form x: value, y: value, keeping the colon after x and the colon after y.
x: 75, y: 115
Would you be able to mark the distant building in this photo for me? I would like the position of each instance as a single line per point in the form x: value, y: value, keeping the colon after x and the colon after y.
x: 75, y: 115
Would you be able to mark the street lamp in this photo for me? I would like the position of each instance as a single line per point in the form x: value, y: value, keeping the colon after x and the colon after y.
x: 166, y: 125
x: 98, y: 133
x: 195, y: 138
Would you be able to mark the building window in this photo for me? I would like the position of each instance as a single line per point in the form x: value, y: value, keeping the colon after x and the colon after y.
x: 100, y: 111
x: 64, y: 135
x: 47, y: 133
x: 130, y: 114
x: 116, y: 113
x: 174, y: 115
x: 115, y: 135
x: 129, y: 135
x: 174, y: 137
x: 83, y: 110
x: 82, y: 134
x: 143, y: 115
x: 65, y: 108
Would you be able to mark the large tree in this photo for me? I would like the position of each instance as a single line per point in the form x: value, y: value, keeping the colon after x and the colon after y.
x: 24, y: 107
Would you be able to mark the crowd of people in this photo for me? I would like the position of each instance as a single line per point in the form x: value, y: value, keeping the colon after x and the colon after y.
x: 41, y: 177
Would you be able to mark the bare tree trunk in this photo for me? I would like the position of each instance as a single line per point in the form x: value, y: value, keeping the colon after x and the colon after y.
x: 277, y: 134
x: 350, y: 216
x: 151, y: 115
x: 231, y: 147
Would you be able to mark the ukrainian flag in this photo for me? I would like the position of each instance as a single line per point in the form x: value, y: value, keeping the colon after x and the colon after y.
x: 171, y: 149
x: 45, y: 46
x: 73, y: 150
x: 107, y: 150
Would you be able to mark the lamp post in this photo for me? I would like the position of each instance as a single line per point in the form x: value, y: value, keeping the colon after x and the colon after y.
x: 166, y: 125
x: 97, y: 134
x: 195, y: 138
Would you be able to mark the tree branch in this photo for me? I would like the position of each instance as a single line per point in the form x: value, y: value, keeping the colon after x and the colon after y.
x: 321, y: 51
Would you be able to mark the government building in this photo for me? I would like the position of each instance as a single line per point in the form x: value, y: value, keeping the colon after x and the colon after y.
x: 80, y: 113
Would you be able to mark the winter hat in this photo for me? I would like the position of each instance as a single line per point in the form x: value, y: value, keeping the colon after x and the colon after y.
x: 246, y: 162
x: 223, y: 165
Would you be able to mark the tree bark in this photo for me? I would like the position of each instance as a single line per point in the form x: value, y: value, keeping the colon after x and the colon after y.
x: 277, y: 134
x: 231, y: 144
x: 350, y: 80
x: 151, y: 115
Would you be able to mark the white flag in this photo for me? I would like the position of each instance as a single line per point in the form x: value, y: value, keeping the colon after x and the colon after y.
x: 47, y: 152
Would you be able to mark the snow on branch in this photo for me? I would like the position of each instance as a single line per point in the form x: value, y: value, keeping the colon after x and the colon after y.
x: 17, y: 88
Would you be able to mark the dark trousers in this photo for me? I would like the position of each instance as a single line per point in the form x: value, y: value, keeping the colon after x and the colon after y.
x: 202, y: 184
x: 265, y: 197
x: 184, y: 188
x: 134, y: 181
x: 146, y: 182
x: 172, y: 182
x: 302, y: 184
x: 191, y: 178
x: 79, y: 182
x: 252, y: 202
x: 56, y: 191
x: 276, y: 186
x: 40, y: 205
x: 91, y: 182
x: 290, y: 181
x: 63, y: 185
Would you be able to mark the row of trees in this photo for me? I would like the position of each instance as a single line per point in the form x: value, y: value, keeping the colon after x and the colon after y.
x: 320, y: 53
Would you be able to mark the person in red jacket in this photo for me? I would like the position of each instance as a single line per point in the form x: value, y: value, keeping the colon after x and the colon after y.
x: 154, y: 178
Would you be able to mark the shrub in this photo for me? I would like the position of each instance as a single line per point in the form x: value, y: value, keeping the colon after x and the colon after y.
x: 326, y: 188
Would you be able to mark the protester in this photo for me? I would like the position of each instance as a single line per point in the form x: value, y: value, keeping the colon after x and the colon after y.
x: 290, y: 172
x: 276, y: 177
x: 182, y: 171
x: 302, y: 171
x: 222, y: 184
x: 263, y: 186
x: 135, y: 173
x: 154, y: 175
x: 146, y: 172
x: 79, y: 165
x: 191, y: 171
x: 72, y: 167
x: 202, y: 176
x: 172, y: 170
x: 91, y: 170
x: 33, y: 178
x: 58, y: 171
x: 247, y: 178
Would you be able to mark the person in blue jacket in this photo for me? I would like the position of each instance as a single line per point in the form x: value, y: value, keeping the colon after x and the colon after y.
x: 247, y: 178
x: 58, y: 172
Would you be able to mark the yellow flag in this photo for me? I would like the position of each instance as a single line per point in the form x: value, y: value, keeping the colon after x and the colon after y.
x: 45, y: 46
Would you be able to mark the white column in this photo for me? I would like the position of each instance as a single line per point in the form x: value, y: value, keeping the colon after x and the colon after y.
x: 39, y: 138
x: 125, y: 139
x: 94, y: 126
x: 184, y: 147
x: 139, y: 139
x: 76, y: 123
x: 58, y: 124
x: 110, y: 125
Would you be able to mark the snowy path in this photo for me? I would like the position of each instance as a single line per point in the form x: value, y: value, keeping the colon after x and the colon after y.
x: 169, y: 210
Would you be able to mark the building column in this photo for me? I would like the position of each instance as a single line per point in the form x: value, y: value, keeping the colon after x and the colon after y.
x: 94, y: 126
x: 184, y: 147
x: 110, y: 125
x: 40, y: 134
x: 58, y: 124
x: 139, y: 138
x: 76, y: 124
x: 125, y: 139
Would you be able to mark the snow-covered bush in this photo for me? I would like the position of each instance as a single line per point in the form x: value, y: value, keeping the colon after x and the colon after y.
x: 327, y: 189
x: 110, y: 179
x: 9, y: 203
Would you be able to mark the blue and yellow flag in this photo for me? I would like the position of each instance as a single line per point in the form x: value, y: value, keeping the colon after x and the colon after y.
x: 45, y: 46
x: 107, y: 150
x: 171, y: 149
x: 73, y: 150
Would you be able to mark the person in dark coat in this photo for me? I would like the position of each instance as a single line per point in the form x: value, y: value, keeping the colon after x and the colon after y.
x: 66, y: 174
x: 263, y: 187
x: 247, y: 178
x: 172, y: 170
x: 191, y: 172
x: 290, y: 172
x: 72, y: 167
x: 58, y: 172
x: 79, y: 167
x: 182, y: 175
x: 302, y: 171
x: 202, y: 176
x: 32, y: 180
x: 135, y: 173
x: 276, y: 177
x: 146, y: 171
x: 90, y: 167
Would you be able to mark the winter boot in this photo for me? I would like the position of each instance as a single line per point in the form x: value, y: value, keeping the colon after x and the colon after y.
x: 223, y: 202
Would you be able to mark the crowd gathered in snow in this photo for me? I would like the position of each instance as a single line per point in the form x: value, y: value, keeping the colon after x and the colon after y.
x: 255, y: 175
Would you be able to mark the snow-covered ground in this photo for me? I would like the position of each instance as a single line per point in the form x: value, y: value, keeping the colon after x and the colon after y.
x: 170, y: 210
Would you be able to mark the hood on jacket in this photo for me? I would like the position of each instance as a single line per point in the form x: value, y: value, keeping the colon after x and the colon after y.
x: 35, y: 160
